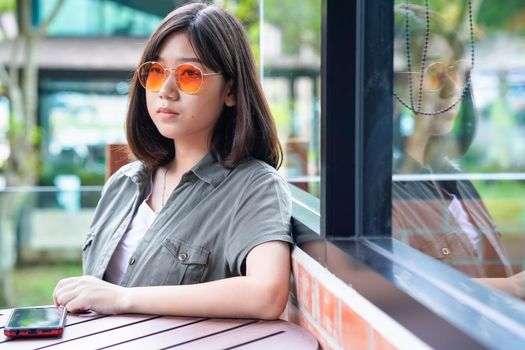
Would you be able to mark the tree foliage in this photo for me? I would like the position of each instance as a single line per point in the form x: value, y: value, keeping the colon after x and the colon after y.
x: 489, y: 15
x: 299, y: 20
x: 19, y: 76
x: 7, y: 5
x: 508, y: 16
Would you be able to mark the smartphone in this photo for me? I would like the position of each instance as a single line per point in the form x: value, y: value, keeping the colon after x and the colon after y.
x: 38, y: 321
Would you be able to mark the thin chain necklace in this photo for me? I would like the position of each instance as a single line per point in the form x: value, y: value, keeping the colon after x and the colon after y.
x: 410, y: 105
x: 164, y: 187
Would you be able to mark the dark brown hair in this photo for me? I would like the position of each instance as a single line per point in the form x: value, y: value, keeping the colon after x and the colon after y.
x: 220, y: 42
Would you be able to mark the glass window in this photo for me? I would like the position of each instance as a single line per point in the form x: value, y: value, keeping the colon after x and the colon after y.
x: 78, y: 119
x: 458, y: 191
x: 4, y: 144
x: 291, y: 61
x: 98, y: 18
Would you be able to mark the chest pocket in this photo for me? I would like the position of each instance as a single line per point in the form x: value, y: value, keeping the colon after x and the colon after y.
x: 183, y: 263
x: 447, y: 247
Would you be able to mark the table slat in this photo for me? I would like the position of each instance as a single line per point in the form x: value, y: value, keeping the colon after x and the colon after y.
x: 181, y: 335
x: 120, y: 335
x: 275, y: 335
x: 77, y: 330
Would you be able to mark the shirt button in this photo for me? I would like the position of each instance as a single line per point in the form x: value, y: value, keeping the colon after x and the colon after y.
x: 132, y: 260
x: 445, y: 251
x: 183, y: 257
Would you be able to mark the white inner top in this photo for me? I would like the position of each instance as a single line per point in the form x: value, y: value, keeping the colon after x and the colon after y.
x: 461, y: 216
x: 137, y: 228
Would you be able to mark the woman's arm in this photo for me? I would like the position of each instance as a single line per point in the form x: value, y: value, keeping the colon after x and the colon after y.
x: 514, y: 285
x: 262, y: 293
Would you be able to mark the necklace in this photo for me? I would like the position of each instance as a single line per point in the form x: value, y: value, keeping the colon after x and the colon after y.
x: 410, y: 104
x: 164, y: 187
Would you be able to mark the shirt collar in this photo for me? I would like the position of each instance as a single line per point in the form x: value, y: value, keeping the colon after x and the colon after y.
x: 405, y: 164
x: 209, y: 170
x: 137, y: 171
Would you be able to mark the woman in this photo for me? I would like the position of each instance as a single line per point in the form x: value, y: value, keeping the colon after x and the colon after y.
x: 442, y: 217
x: 199, y: 225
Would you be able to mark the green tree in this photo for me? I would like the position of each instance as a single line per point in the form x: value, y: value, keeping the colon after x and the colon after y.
x: 19, y: 76
x: 304, y: 29
x: 509, y: 17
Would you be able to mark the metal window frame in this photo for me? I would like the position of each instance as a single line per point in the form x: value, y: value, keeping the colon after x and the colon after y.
x: 356, y: 161
x: 445, y: 309
x: 353, y: 240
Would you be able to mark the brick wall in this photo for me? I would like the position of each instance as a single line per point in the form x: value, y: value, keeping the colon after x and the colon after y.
x: 337, y: 315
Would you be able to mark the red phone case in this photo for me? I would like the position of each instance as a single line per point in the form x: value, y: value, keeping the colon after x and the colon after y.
x: 53, y: 331
x: 33, y: 332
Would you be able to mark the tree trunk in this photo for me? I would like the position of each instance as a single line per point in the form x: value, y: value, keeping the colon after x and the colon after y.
x: 21, y: 80
x: 24, y: 133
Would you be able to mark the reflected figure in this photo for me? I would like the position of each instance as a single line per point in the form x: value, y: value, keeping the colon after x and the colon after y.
x: 434, y: 208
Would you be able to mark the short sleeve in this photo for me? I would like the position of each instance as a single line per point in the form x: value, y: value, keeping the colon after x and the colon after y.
x: 262, y: 215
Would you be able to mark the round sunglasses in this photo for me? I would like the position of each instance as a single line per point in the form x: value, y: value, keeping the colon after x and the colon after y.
x: 188, y: 77
x: 435, y: 74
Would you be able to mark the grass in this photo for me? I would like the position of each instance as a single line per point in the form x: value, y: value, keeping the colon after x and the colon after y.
x: 34, y: 285
x: 505, y: 201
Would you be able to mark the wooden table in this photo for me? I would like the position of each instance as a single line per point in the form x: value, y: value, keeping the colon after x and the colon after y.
x: 162, y: 332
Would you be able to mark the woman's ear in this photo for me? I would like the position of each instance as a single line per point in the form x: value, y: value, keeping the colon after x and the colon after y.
x: 229, y: 99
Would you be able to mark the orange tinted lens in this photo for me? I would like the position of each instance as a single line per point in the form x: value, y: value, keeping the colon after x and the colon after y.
x: 189, y: 78
x: 152, y: 76
x: 459, y: 71
x: 434, y: 76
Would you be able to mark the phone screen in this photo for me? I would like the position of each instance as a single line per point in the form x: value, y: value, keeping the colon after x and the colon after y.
x: 35, y: 321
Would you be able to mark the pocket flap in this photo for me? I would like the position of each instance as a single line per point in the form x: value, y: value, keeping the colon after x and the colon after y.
x: 89, y: 239
x: 186, y: 253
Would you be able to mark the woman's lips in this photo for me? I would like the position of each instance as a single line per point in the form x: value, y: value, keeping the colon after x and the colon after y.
x: 166, y: 113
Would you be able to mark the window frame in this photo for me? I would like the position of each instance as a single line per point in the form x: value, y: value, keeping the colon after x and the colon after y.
x: 363, y: 171
x: 353, y: 216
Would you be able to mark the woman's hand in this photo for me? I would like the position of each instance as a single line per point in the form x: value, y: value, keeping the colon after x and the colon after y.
x: 517, y: 284
x: 514, y: 285
x: 79, y: 294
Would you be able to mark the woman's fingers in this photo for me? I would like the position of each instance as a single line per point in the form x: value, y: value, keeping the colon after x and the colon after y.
x: 82, y: 293
x: 67, y: 281
x: 76, y: 305
x: 66, y: 298
x: 62, y: 288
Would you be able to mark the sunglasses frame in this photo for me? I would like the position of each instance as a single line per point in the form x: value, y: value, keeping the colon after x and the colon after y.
x: 448, y: 69
x: 168, y: 71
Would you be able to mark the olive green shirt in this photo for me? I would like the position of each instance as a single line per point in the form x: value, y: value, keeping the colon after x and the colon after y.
x: 205, y: 230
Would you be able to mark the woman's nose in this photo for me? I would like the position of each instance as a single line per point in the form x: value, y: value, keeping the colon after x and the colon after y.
x: 448, y: 88
x: 169, y: 89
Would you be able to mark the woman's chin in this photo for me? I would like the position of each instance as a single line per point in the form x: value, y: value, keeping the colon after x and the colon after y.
x: 169, y: 134
x: 441, y: 128
x: 443, y: 123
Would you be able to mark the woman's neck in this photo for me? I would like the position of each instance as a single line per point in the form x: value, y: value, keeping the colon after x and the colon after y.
x: 416, y: 146
x: 186, y: 156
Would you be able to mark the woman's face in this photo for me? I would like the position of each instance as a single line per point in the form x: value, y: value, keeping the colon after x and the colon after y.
x: 444, y: 82
x: 181, y: 116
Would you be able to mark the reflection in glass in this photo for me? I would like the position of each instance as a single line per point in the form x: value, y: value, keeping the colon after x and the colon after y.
x: 436, y: 209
